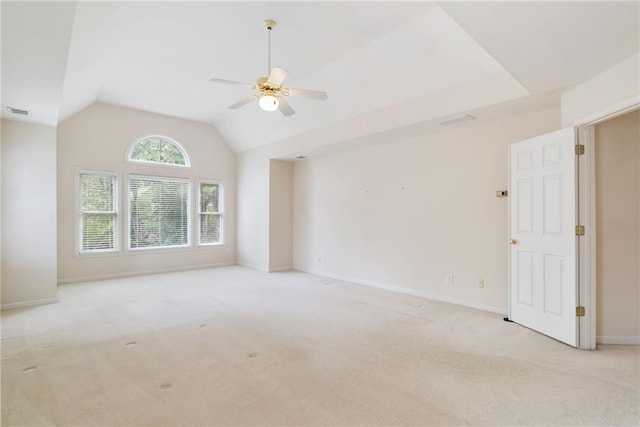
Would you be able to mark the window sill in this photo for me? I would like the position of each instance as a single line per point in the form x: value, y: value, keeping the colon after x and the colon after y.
x: 148, y: 251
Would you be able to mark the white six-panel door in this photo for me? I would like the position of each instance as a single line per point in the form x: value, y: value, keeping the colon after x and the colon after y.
x: 543, y: 284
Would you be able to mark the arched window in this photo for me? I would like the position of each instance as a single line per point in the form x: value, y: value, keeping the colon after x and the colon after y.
x: 158, y: 149
x: 158, y: 209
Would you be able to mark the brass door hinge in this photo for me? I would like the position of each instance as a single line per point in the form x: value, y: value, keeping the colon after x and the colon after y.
x: 579, y: 149
x: 579, y: 230
x: 579, y: 311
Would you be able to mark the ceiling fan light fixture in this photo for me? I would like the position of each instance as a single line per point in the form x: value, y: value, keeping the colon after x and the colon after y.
x: 269, y: 103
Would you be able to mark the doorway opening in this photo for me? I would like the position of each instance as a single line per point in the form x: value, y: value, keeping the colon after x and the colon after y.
x: 610, y: 205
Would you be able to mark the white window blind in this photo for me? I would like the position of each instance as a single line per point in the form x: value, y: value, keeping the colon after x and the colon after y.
x: 210, y: 210
x: 159, y: 212
x: 98, y: 212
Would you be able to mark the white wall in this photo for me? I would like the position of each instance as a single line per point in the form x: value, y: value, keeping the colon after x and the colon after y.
x: 1, y: 207
x: 617, y: 154
x: 98, y: 138
x: 618, y: 84
x: 404, y: 214
x: 280, y: 215
x: 28, y: 214
x: 253, y: 210
x: 265, y: 211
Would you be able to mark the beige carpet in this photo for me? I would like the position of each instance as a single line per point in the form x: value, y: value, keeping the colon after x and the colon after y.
x: 233, y: 346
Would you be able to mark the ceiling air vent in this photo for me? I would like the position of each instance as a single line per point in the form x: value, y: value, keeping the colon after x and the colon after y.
x: 18, y: 111
x: 456, y: 120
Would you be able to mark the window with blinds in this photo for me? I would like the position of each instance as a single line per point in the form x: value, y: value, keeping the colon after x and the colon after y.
x: 210, y: 210
x: 98, y: 212
x: 158, y: 212
x: 158, y: 209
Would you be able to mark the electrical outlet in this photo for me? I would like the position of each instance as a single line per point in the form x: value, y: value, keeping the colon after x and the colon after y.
x: 481, y: 282
x: 449, y: 279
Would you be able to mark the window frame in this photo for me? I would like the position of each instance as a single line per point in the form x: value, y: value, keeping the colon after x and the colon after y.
x: 220, y: 212
x: 80, y: 214
x: 136, y: 141
x: 188, y: 181
x: 121, y: 215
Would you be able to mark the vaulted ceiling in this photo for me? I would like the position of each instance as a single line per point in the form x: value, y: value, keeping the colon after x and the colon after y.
x: 384, y: 64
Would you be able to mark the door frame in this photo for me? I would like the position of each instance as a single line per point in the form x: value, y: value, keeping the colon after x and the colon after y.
x: 587, y: 255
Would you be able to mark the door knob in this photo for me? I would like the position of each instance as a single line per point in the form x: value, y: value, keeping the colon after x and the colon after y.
x: 513, y: 241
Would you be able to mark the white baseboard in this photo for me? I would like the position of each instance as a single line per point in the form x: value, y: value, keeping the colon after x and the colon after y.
x: 252, y: 266
x: 277, y: 269
x: 618, y: 340
x: 407, y: 291
x: 140, y: 273
x: 265, y: 270
x: 32, y: 303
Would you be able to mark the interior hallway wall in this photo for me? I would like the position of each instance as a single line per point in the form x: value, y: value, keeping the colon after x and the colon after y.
x: 617, y: 155
x: 29, y: 270
x: 253, y: 210
x: 404, y: 214
x: 280, y: 215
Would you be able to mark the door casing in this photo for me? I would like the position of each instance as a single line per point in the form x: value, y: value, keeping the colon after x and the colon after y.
x: 587, y: 216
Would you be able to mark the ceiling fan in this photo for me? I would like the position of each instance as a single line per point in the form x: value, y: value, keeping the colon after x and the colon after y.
x: 271, y: 94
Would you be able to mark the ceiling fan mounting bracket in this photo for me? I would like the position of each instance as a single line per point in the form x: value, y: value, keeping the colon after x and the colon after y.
x: 269, y: 24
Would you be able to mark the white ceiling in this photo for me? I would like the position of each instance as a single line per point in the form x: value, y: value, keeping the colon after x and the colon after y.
x: 385, y: 64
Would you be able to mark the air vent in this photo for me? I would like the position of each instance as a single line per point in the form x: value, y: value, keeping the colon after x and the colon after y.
x: 18, y: 111
x: 455, y: 120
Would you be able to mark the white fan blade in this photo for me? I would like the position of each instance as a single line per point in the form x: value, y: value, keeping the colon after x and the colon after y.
x: 285, y: 108
x: 311, y: 94
x: 242, y: 102
x: 277, y: 76
x: 231, y: 82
